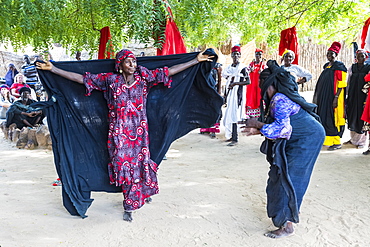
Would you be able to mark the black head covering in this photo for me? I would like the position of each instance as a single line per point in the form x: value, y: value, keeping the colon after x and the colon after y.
x: 23, y: 89
x: 284, y: 83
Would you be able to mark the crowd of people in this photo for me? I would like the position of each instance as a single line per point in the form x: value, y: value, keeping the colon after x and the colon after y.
x: 340, y: 96
x: 20, y: 90
x: 261, y: 98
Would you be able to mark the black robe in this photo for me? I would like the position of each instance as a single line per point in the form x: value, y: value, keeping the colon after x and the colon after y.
x: 79, y: 126
x: 356, y: 98
x: 324, y: 97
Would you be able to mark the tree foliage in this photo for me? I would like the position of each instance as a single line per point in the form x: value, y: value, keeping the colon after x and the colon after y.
x: 75, y: 24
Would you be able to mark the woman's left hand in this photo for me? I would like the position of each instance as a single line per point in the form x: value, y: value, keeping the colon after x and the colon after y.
x: 252, y: 123
x: 204, y: 58
x: 250, y: 131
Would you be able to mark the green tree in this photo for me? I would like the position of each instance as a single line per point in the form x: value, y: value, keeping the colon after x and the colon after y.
x: 76, y: 23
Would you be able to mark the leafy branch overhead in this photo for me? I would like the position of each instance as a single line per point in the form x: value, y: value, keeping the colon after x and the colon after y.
x: 76, y: 23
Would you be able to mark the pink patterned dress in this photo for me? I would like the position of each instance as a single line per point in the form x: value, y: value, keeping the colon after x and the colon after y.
x: 128, y: 141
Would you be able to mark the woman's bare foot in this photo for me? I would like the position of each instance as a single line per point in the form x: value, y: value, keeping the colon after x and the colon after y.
x: 127, y: 216
x: 283, y: 231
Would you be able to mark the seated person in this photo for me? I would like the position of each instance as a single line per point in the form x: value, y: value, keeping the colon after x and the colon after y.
x: 19, y: 82
x: 6, y: 100
x: 22, y: 114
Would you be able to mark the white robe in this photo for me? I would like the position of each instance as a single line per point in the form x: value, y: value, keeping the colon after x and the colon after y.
x: 233, y: 112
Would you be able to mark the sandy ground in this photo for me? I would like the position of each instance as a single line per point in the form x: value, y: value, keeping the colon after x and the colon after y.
x: 210, y: 195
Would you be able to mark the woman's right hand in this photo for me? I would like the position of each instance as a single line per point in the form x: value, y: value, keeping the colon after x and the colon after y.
x: 44, y: 66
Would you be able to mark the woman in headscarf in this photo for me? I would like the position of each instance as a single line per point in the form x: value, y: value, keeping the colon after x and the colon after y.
x: 356, y: 99
x: 126, y: 92
x: 294, y: 137
x: 300, y: 74
x: 329, y: 97
x: 253, y: 91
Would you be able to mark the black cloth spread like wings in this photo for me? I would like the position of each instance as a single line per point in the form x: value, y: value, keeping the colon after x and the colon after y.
x: 78, y: 124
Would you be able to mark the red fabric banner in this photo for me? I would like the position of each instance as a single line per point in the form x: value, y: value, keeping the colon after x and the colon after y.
x: 289, y: 40
x: 174, y: 43
x: 364, y: 33
x: 106, y: 50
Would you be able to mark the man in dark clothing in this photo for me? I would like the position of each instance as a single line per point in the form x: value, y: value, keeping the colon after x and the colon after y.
x: 22, y: 114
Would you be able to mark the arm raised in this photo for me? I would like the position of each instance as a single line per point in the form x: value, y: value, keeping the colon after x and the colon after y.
x: 66, y: 74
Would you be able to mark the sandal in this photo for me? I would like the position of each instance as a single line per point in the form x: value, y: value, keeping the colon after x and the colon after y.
x: 367, y: 152
x: 335, y: 147
x: 233, y: 143
x: 57, y: 182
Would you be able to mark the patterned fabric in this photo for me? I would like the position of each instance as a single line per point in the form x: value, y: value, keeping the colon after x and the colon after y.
x: 253, y: 113
x: 281, y: 108
x: 128, y: 142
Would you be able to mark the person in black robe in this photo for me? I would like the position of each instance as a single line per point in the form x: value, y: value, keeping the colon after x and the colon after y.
x: 356, y: 99
x: 329, y: 97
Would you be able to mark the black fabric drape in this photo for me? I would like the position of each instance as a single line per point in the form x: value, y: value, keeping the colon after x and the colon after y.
x: 324, y: 97
x: 356, y: 98
x: 78, y: 124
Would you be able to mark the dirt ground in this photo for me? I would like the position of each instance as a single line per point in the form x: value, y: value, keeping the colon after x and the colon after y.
x: 210, y: 195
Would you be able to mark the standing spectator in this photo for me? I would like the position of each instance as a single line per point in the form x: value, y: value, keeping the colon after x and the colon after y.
x: 237, y: 77
x: 30, y: 72
x: 6, y: 100
x: 9, y: 77
x: 329, y: 97
x: 253, y: 90
x: 78, y: 56
x: 356, y: 99
x: 300, y: 74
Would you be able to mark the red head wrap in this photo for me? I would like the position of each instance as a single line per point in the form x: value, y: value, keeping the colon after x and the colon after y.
x: 121, y: 55
x: 258, y: 50
x: 235, y: 49
x: 335, y: 47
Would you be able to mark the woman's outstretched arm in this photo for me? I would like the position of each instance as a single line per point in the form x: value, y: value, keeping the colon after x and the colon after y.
x: 66, y: 74
x: 183, y: 66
